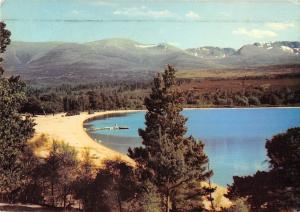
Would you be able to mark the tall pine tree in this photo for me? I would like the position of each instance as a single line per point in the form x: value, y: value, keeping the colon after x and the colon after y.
x: 277, y: 189
x: 169, y: 160
x: 14, y: 129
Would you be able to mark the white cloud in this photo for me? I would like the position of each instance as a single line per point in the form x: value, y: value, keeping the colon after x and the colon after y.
x: 192, y: 15
x: 279, y: 26
x: 254, y: 33
x: 176, y: 44
x: 143, y: 12
x: 295, y: 2
x: 1, y: 2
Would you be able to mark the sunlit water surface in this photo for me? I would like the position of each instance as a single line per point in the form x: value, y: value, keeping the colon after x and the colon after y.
x: 234, y: 138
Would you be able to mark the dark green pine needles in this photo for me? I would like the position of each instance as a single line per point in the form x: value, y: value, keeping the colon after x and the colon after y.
x: 14, y: 130
x: 170, y: 160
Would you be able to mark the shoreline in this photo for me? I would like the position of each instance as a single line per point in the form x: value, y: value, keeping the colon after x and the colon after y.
x: 70, y: 129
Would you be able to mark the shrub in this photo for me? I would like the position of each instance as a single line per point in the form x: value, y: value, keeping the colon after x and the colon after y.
x: 72, y: 113
x: 253, y: 100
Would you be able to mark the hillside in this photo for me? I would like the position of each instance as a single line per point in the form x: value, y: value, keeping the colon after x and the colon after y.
x: 124, y: 59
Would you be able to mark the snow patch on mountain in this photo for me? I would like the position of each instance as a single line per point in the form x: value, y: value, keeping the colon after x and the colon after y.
x: 287, y: 49
x: 143, y: 46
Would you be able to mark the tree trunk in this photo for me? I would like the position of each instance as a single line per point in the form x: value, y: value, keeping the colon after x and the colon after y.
x: 10, y: 200
x: 43, y: 191
x: 65, y: 191
x: 120, y: 204
x: 52, y: 193
x: 210, y: 194
x: 168, y: 203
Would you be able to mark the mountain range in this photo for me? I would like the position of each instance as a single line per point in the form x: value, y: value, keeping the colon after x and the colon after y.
x: 124, y: 59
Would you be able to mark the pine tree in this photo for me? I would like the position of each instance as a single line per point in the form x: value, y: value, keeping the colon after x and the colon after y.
x: 4, y: 42
x: 113, y: 188
x: 14, y: 129
x: 60, y: 170
x: 277, y: 189
x: 169, y: 159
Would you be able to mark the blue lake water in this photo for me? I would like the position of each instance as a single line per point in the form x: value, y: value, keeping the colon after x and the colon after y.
x: 234, y: 138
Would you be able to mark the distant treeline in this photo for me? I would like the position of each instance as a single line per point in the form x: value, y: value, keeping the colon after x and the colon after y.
x: 245, y: 98
x: 170, y: 168
x: 67, y: 98
x: 94, y: 97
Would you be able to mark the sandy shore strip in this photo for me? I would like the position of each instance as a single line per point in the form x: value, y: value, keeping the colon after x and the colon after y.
x: 70, y: 130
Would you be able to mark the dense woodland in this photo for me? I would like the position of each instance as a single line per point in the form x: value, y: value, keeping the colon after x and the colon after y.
x: 168, y: 169
x: 250, y: 93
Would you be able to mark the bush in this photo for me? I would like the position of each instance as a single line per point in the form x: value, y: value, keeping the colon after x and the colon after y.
x: 253, y: 100
x: 275, y: 100
x: 220, y: 101
x: 241, y: 101
x: 278, y: 188
x: 72, y: 113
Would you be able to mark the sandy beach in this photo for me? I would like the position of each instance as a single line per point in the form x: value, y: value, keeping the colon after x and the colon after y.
x: 70, y: 130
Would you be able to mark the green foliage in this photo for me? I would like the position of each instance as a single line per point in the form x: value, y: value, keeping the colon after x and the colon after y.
x: 33, y: 106
x: 147, y: 198
x: 241, y: 100
x: 188, y: 196
x: 279, y: 188
x: 14, y: 129
x: 73, y: 113
x: 49, y: 181
x: 169, y: 160
x: 60, y: 172
x: 29, y: 191
x: 113, y: 187
x: 4, y: 42
x: 82, y: 185
x: 59, y: 180
x: 254, y: 101
x: 93, y: 97
x: 251, y: 96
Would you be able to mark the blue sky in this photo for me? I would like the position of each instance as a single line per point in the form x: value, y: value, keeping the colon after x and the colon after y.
x: 184, y: 23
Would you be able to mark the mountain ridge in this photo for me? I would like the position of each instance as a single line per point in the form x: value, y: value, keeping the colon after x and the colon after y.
x: 119, y: 58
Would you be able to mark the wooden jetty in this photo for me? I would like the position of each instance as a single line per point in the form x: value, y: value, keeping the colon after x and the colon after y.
x: 115, y: 127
